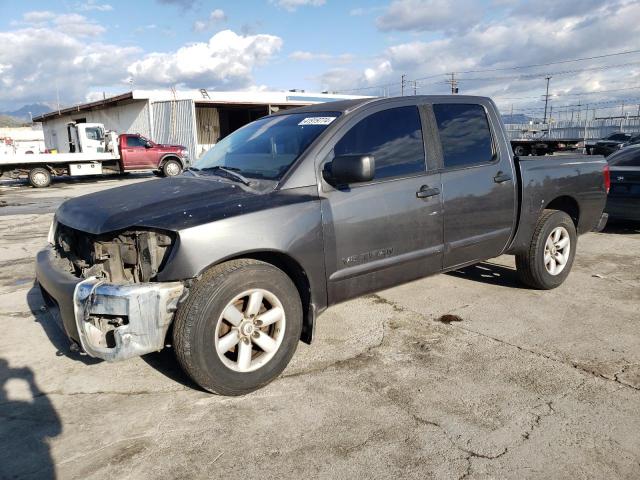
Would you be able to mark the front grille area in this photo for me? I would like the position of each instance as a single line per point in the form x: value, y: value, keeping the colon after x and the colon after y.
x: 122, y: 257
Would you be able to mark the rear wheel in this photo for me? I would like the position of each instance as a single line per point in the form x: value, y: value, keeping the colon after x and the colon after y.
x: 39, y: 177
x: 548, y: 261
x: 239, y: 327
x: 520, y: 151
x: 171, y: 168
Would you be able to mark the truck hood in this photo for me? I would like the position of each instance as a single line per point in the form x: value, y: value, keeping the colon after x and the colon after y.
x: 168, y: 204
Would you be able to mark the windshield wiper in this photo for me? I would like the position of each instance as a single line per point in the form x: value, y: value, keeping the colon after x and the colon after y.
x: 228, y: 173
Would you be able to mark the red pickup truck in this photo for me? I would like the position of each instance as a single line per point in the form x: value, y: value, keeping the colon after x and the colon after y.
x: 139, y: 153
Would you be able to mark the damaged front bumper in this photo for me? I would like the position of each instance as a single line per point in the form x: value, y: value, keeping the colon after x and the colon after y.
x: 110, y: 321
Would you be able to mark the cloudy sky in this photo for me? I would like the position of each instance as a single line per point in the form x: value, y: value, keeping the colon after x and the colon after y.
x: 77, y: 49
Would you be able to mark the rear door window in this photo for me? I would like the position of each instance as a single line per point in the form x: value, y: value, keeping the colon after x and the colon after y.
x: 464, y: 134
x: 393, y: 137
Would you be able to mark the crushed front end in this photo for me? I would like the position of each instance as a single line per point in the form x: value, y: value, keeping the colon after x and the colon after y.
x: 104, y: 291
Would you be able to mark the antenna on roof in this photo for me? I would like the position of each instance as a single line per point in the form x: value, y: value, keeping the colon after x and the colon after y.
x: 204, y: 93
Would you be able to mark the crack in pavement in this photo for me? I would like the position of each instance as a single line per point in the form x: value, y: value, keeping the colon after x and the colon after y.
x: 546, y: 356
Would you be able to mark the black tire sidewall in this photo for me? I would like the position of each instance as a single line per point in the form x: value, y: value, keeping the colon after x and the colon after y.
x: 212, y: 374
x: 556, y: 220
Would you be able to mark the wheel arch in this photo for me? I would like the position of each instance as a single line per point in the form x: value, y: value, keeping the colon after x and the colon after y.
x: 294, y: 270
x: 169, y: 156
x: 568, y: 205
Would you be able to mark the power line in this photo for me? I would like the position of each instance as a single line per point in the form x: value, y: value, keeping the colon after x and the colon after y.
x: 553, y: 95
x: 517, y: 67
x: 551, y: 63
x: 538, y: 75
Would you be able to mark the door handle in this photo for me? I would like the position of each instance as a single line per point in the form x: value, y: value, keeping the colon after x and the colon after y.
x: 426, y: 192
x: 501, y: 177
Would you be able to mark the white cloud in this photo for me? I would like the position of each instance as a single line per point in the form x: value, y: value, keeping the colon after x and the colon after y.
x: 512, y: 40
x: 226, y: 60
x: 430, y: 15
x: 40, y: 60
x: 72, y: 24
x: 94, y: 5
x: 304, y: 56
x: 215, y: 17
x: 38, y: 16
x: 78, y: 25
x: 292, y: 5
x: 185, y: 4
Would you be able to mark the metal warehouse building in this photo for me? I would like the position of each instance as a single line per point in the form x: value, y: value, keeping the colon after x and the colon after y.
x: 196, y: 119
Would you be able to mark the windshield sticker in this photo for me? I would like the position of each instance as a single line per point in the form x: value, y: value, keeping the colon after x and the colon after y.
x: 317, y: 121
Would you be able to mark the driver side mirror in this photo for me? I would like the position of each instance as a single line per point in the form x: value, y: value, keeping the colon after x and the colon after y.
x: 347, y: 169
x: 147, y: 145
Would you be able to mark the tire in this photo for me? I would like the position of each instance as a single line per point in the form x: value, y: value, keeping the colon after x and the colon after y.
x: 540, y: 267
x: 171, y: 168
x: 520, y: 151
x: 202, y: 325
x: 39, y: 177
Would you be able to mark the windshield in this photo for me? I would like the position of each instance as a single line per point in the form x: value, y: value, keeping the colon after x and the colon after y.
x: 267, y: 147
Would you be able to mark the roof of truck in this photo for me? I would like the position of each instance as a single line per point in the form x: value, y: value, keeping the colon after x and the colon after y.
x: 346, y: 106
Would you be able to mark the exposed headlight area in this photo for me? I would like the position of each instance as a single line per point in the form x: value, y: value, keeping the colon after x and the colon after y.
x: 132, y: 256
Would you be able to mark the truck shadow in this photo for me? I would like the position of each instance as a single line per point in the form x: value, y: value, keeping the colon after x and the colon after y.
x: 619, y: 227
x: 490, y: 273
x: 63, y: 181
x: 166, y: 363
x: 26, y: 425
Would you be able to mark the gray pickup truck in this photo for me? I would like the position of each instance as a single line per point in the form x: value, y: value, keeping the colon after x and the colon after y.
x: 232, y: 261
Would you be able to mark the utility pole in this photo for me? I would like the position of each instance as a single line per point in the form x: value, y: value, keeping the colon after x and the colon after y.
x: 454, y: 83
x: 415, y: 87
x: 402, y: 84
x: 622, y: 109
x: 546, y: 100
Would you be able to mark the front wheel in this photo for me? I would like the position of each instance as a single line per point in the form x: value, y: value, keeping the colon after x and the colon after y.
x: 171, y: 168
x: 239, y: 327
x: 548, y: 261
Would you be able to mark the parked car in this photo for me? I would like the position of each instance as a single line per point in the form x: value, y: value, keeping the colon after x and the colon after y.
x: 589, y: 145
x: 232, y: 261
x: 607, y: 147
x: 623, y: 201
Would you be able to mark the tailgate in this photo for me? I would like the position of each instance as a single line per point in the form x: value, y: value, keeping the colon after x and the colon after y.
x: 625, y: 182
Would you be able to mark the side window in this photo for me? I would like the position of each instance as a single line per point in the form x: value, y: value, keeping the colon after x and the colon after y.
x: 94, y: 134
x: 393, y: 137
x: 135, y: 141
x: 464, y: 133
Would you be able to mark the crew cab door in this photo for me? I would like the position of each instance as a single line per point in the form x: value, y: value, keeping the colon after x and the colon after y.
x: 478, y: 183
x: 136, y: 154
x: 387, y: 231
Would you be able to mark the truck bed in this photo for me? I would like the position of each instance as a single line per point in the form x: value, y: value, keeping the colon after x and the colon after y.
x: 563, y: 178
